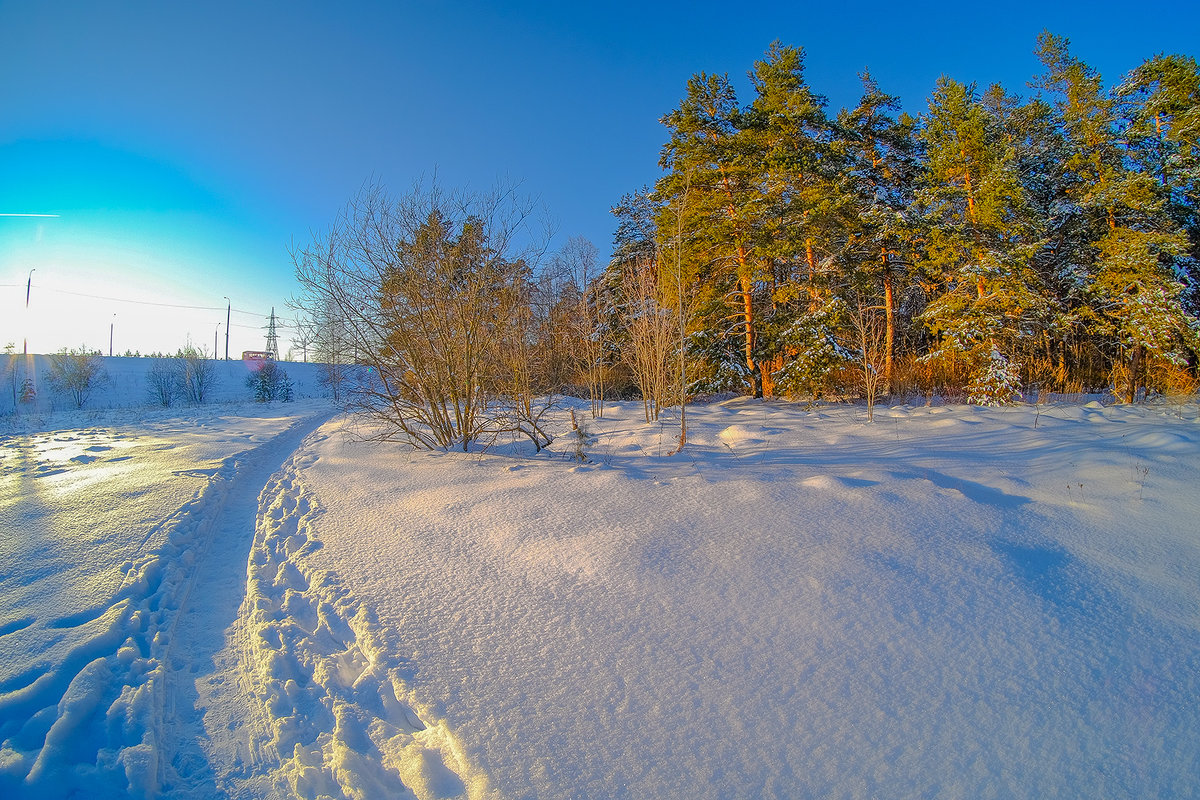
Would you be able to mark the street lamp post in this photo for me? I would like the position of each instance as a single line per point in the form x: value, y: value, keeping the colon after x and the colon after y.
x: 228, y: 308
x: 28, y: 287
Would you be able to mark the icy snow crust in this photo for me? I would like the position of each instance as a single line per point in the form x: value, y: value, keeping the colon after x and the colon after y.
x: 949, y: 602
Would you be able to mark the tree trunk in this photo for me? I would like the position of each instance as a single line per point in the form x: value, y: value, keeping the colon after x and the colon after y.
x: 1135, y: 369
x: 745, y: 286
x: 812, y: 269
x: 889, y: 311
x: 969, y: 187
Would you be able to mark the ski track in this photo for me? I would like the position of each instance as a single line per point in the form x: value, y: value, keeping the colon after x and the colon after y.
x: 339, y: 715
x: 126, y: 684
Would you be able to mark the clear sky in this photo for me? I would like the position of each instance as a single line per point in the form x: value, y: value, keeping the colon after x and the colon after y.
x: 184, y: 146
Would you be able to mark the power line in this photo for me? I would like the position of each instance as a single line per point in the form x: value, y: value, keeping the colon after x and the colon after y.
x: 278, y: 324
x: 125, y: 300
x: 141, y: 302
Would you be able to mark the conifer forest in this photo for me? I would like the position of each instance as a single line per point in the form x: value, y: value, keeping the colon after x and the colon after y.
x: 993, y: 245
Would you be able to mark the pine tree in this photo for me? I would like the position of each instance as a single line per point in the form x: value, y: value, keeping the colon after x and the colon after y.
x: 1160, y: 102
x: 980, y: 238
x: 1126, y: 237
x: 1055, y: 239
x: 708, y: 153
x: 881, y: 161
x: 797, y: 214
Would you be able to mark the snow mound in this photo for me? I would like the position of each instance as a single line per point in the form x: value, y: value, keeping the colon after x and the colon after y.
x: 741, y: 434
x: 973, y: 608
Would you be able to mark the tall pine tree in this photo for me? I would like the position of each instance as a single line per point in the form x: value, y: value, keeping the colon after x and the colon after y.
x: 708, y: 153
x: 880, y: 226
x: 980, y: 239
x: 1126, y: 239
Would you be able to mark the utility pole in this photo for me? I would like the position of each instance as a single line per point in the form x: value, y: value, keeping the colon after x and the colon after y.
x: 216, y: 330
x: 228, y: 309
x: 28, y: 286
x: 111, y: 325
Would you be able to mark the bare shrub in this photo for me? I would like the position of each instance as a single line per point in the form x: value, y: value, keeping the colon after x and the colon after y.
x: 76, y: 373
x: 432, y: 290
x: 162, y: 381
x: 195, y: 374
x: 652, y: 337
x: 583, y: 318
x: 869, y: 327
x: 326, y: 333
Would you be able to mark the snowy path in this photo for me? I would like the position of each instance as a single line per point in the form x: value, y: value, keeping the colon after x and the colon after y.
x: 121, y: 573
x: 201, y: 680
x: 339, y: 715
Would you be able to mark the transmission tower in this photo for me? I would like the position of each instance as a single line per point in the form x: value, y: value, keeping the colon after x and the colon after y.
x: 272, y: 337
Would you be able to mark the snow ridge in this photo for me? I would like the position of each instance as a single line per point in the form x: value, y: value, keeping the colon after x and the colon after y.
x: 341, y: 718
x: 110, y: 688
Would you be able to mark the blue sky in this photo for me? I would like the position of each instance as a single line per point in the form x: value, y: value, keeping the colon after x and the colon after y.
x: 185, y: 145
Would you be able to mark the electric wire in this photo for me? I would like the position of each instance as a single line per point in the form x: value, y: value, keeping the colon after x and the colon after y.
x: 55, y: 290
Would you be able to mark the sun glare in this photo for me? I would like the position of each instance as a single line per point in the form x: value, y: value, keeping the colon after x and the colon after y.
x: 125, y: 282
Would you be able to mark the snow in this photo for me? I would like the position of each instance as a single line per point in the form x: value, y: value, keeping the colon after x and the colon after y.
x: 123, y: 384
x: 242, y: 600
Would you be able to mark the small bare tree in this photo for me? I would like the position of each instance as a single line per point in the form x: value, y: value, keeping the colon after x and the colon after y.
x: 429, y: 288
x: 868, y: 325
x: 162, y: 381
x: 674, y: 276
x: 329, y: 336
x: 583, y: 321
x: 195, y: 374
x: 10, y: 373
x: 305, y: 338
x: 76, y: 373
x: 652, y: 336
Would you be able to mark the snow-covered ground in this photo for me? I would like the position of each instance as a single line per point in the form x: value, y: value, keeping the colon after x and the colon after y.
x: 947, y: 602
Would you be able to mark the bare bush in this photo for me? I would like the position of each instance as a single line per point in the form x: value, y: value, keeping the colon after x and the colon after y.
x: 76, y: 373
x: 329, y: 336
x: 162, y: 381
x: 432, y: 289
x: 869, y: 328
x: 585, y: 304
x: 652, y: 337
x: 195, y: 374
